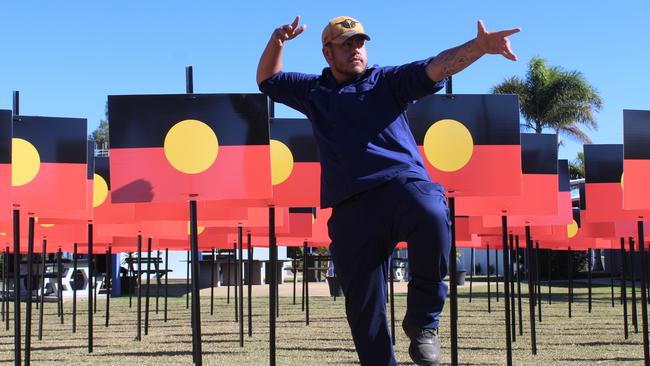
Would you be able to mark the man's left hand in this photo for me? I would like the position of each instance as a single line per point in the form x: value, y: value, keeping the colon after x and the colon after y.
x: 496, y: 43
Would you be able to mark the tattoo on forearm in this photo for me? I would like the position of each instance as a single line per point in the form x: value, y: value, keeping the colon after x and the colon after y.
x: 455, y: 59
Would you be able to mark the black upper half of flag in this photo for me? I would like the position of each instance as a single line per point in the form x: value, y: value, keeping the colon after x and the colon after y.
x: 583, y: 195
x: 491, y: 119
x: 538, y: 153
x: 5, y: 136
x: 57, y: 139
x: 636, y: 134
x: 576, y: 216
x: 90, y: 158
x: 563, y: 175
x: 143, y: 120
x: 102, y: 169
x: 309, y: 210
x: 603, y: 163
x: 297, y: 134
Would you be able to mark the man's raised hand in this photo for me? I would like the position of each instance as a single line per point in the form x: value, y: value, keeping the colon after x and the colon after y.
x: 496, y: 43
x: 288, y: 32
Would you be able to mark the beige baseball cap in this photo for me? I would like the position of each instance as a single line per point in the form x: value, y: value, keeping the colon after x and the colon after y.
x: 339, y: 29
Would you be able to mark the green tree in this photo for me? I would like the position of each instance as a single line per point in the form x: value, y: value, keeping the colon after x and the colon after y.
x: 100, y: 135
x: 551, y: 98
x: 577, y: 166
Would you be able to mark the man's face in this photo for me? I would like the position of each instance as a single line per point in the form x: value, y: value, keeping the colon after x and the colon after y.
x: 348, y: 59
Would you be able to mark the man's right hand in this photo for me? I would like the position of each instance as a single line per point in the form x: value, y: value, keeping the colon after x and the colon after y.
x: 287, y: 32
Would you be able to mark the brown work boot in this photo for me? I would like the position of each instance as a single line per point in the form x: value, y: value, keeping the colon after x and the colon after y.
x: 425, y: 346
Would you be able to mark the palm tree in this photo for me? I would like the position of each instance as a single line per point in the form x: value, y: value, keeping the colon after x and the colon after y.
x: 577, y: 166
x: 552, y: 98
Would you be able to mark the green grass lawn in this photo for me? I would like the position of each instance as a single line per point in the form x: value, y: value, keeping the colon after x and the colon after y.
x: 584, y: 339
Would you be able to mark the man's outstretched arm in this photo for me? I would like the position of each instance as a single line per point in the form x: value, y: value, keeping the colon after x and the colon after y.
x: 455, y: 59
x: 271, y: 60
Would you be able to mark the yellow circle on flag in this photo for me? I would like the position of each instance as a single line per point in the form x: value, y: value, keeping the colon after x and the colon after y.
x: 572, y: 229
x: 25, y: 162
x: 191, y: 146
x: 623, y: 181
x: 448, y: 145
x: 281, y: 162
x: 100, y: 190
x: 47, y: 225
x: 199, y: 229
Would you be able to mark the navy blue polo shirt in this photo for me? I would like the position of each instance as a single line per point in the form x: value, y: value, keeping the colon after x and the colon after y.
x: 360, y: 126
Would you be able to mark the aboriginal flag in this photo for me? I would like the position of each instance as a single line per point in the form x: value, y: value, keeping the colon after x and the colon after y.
x: 470, y: 143
x: 295, y: 165
x: 539, y: 183
x: 165, y: 148
x: 5, y: 164
x: 604, y: 184
x: 636, y: 164
x: 49, y: 168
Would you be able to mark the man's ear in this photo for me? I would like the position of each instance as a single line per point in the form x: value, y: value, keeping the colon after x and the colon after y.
x: 327, y: 53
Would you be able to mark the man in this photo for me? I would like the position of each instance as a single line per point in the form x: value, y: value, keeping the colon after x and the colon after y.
x: 373, y: 176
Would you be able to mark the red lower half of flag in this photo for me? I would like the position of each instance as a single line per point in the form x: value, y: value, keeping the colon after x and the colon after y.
x: 493, y: 170
x: 636, y: 178
x: 145, y: 175
x: 57, y: 186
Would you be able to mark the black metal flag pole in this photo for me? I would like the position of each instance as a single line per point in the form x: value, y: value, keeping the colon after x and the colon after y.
x: 6, y: 299
x: 549, y: 273
x: 531, y: 291
x: 157, y: 266
x: 496, y: 275
x: 109, y: 279
x: 196, y: 275
x: 138, y: 336
x: 471, y: 273
x: 453, y: 296
x: 570, y: 287
x: 28, y: 305
x: 589, y: 264
x: 249, y: 280
x: 147, y: 291
x: 623, y: 287
x: 59, y: 264
x: 506, y: 288
x: 489, y: 291
x: 392, y: 299
x: 240, y: 277
x: 519, y: 310
x: 229, y: 278
x: 513, y: 321
x: 635, y: 321
x: 538, y: 282
x: 212, y: 282
x: 273, y: 256
x: 42, y: 299
x: 5, y: 289
x: 644, y: 302
x: 130, y: 281
x: 187, y: 281
x: 16, y: 254
x: 453, y: 293
x: 166, y: 283
x: 305, y: 275
x: 236, y: 282
x: 611, y: 275
x: 16, y: 224
x: 91, y: 274
x: 74, y: 286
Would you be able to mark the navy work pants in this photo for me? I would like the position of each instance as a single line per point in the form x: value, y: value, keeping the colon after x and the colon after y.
x: 364, y: 231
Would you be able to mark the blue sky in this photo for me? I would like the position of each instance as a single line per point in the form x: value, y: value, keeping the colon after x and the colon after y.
x: 65, y: 57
